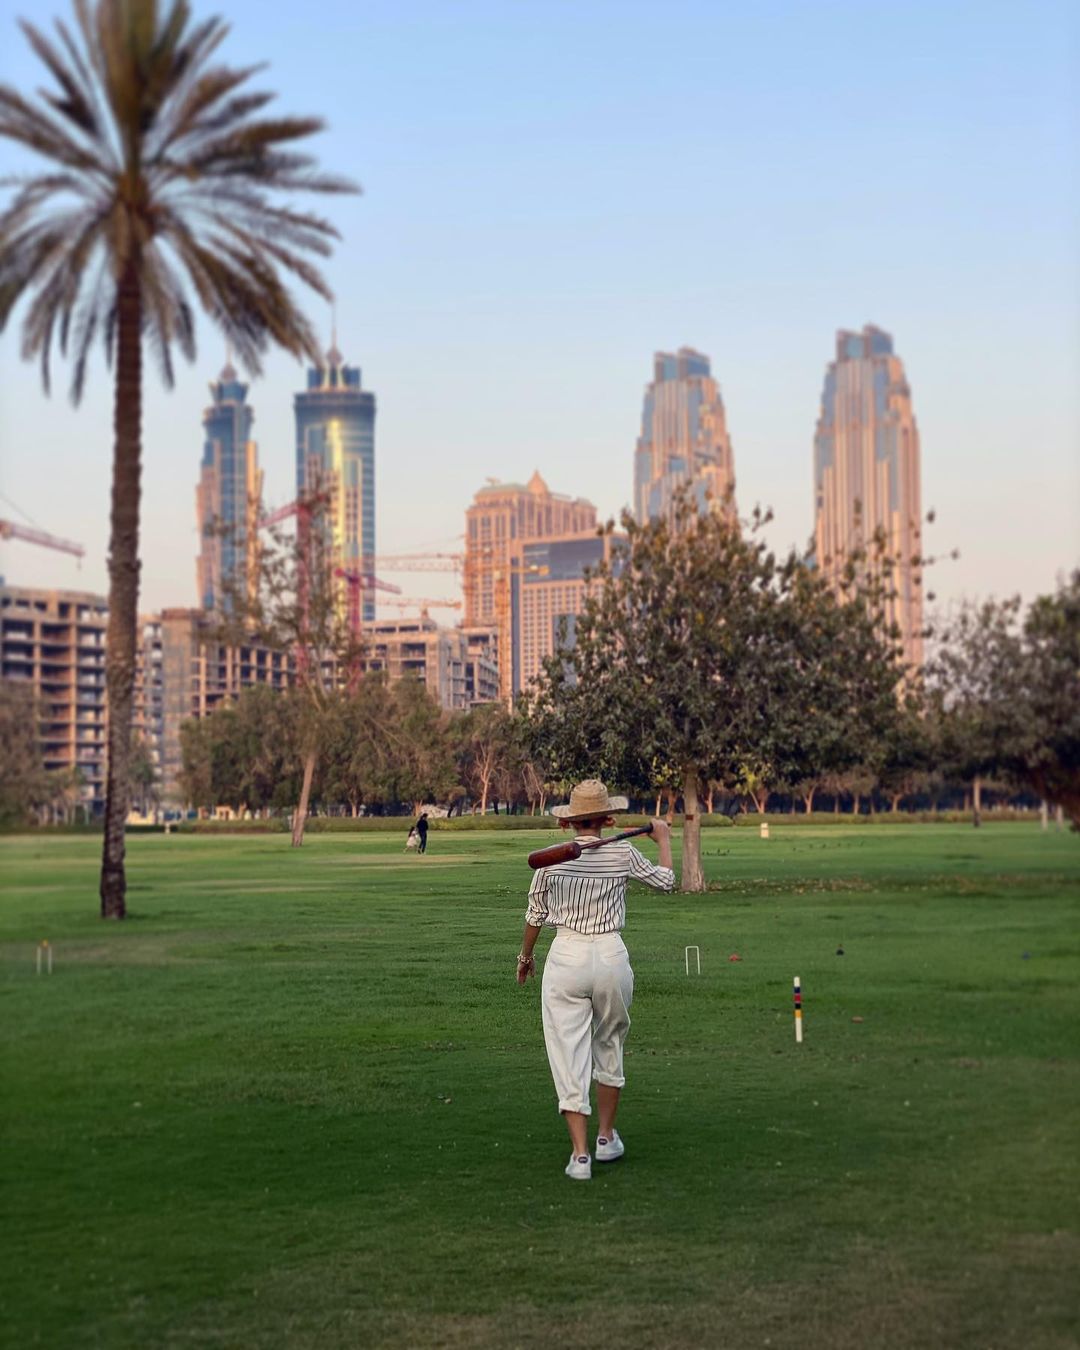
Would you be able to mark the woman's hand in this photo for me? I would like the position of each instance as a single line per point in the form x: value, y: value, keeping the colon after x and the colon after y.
x: 526, y: 966
x: 661, y: 832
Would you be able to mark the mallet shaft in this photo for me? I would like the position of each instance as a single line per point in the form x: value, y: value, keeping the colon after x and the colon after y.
x: 558, y: 853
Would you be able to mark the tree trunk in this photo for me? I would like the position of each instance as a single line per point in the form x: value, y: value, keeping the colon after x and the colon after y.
x: 836, y: 805
x: 808, y: 799
x: 976, y: 801
x: 856, y: 804
x: 300, y: 817
x: 896, y: 802
x: 659, y: 799
x: 123, y: 586
x: 709, y: 801
x: 693, y: 878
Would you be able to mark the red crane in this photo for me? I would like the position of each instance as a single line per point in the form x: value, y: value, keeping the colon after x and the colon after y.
x: 303, y: 508
x: 10, y: 529
x: 356, y: 582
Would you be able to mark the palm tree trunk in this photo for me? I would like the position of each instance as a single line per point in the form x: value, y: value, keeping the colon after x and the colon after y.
x: 123, y: 586
x: 693, y: 878
x: 300, y: 818
x: 976, y: 801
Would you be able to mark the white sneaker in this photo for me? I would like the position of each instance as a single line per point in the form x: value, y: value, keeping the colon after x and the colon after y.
x: 579, y: 1168
x: 607, y: 1150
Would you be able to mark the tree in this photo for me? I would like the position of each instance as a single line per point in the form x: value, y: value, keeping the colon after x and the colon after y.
x: 290, y: 602
x: 23, y: 781
x: 700, y: 651
x: 424, y: 765
x: 908, y: 751
x: 360, y: 765
x: 1010, y: 687
x: 143, y: 776
x: 160, y: 182
x: 485, y: 738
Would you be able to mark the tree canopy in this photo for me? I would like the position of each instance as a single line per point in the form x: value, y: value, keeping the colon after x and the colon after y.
x: 701, y: 655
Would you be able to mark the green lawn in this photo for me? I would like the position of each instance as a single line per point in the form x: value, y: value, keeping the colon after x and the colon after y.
x: 297, y: 1100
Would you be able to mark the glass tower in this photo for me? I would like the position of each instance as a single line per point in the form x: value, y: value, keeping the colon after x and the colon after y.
x: 228, y: 495
x: 866, y: 472
x: 684, y: 437
x: 335, y: 450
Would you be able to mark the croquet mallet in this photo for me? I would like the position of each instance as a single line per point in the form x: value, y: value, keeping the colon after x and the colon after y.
x: 574, y: 848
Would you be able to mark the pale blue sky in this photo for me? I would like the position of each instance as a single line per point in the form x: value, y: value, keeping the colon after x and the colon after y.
x: 555, y: 189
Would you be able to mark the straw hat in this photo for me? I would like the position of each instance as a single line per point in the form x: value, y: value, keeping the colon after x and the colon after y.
x: 589, y: 799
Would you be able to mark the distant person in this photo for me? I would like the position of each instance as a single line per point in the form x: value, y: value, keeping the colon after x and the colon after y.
x: 421, y: 830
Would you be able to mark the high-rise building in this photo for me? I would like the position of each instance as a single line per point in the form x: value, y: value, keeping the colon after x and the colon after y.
x: 228, y: 495
x: 549, y: 592
x: 481, y: 665
x: 335, y: 452
x: 55, y: 642
x: 503, y: 517
x: 684, y: 437
x: 866, y: 472
x: 417, y: 648
x: 184, y: 671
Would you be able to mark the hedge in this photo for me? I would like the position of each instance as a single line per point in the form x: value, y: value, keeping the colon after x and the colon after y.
x: 400, y: 824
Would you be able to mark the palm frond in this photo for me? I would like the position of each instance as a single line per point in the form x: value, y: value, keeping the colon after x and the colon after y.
x: 166, y: 168
x: 76, y: 104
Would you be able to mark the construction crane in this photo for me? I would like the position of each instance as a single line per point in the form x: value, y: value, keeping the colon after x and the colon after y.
x: 420, y: 562
x: 356, y: 582
x: 303, y: 508
x: 422, y: 602
x: 10, y: 529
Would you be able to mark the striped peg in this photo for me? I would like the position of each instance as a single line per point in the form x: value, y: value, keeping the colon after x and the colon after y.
x: 798, y: 1011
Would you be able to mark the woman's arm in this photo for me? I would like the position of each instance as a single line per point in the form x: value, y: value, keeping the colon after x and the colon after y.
x: 661, y: 832
x: 662, y: 877
x: 526, y: 964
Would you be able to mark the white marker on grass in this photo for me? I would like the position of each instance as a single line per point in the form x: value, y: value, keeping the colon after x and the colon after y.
x: 697, y: 953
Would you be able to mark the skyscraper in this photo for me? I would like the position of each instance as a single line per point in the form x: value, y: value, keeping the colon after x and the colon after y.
x: 501, y: 519
x: 548, y: 594
x: 684, y: 437
x: 55, y: 642
x: 335, y: 451
x: 228, y: 495
x: 866, y: 471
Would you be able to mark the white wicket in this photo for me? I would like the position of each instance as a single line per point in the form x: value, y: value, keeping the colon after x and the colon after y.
x: 697, y: 954
x: 44, y: 950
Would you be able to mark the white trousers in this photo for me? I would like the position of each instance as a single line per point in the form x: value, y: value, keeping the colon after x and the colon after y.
x: 587, y: 990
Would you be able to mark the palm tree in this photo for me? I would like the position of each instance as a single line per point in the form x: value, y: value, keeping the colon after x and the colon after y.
x: 163, y: 179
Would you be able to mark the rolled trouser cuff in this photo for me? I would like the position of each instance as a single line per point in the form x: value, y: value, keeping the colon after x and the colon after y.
x: 574, y: 1104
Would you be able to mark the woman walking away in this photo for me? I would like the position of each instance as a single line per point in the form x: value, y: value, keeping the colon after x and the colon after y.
x: 588, y: 984
x: 421, y: 830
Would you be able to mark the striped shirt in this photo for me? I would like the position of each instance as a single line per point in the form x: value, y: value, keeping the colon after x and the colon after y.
x: 589, y: 894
